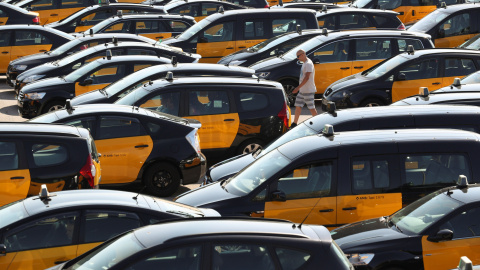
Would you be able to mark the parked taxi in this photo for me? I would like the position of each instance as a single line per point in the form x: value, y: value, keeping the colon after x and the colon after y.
x: 351, y: 18
x: 199, y: 9
x: 20, y: 40
x: 401, y: 76
x: 226, y: 32
x: 10, y: 14
x: 454, y: 98
x: 469, y: 83
x: 472, y: 44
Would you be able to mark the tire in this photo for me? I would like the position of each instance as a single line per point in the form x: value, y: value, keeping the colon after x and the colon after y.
x: 53, y: 106
x: 289, y: 86
x: 162, y: 179
x: 371, y: 102
x: 250, y: 146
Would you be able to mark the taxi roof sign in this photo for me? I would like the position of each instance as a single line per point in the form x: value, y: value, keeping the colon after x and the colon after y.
x: 410, y: 49
x: 328, y: 130
x: 423, y: 92
x: 456, y: 82
x: 462, y: 181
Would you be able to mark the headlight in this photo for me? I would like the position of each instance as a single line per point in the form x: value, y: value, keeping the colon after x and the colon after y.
x: 35, y: 95
x: 236, y: 62
x: 262, y: 75
x: 341, y: 94
x: 360, y: 258
x: 20, y: 67
x: 32, y: 78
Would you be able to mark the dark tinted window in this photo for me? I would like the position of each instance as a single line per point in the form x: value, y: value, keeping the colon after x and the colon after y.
x: 121, y: 27
x: 307, y: 181
x: 291, y: 259
x: 389, y: 4
x: 102, y: 225
x: 456, y: 25
x: 254, y: 30
x: 370, y: 175
x: 88, y: 123
x: 373, y: 48
x: 209, y: 8
x: 208, y: 102
x: 253, y: 101
x: 403, y: 44
x: 72, y: 3
x: 178, y: 258
x: 113, y: 127
x: 5, y: 38
x: 386, y: 22
x: 421, y: 70
x: 465, y: 224
x: 458, y: 67
x: 220, y: 32
x: 228, y: 256
x: 49, y: 154
x: 166, y: 103
x: 333, y: 52
x: 150, y: 27
x: 178, y: 26
x: 96, y: 17
x: 23, y: 38
x: 327, y: 22
x: 282, y: 26
x: 8, y: 156
x: 141, y: 52
x: 354, y: 21
x: 107, y: 74
x: 191, y: 10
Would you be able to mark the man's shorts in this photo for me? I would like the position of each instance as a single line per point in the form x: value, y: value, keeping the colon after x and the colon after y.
x: 305, y: 98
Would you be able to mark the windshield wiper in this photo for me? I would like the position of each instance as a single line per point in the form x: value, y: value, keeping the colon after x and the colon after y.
x: 391, y: 223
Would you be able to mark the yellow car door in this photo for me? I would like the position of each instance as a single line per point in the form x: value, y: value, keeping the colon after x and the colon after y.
x: 454, y: 31
x: 86, y: 22
x: 369, y: 52
x: 216, y: 42
x: 29, y: 42
x: 100, y: 78
x: 14, y: 180
x: 309, y: 196
x: 5, y: 50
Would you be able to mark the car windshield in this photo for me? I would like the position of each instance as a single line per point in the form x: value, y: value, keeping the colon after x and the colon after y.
x: 302, y: 130
x: 307, y: 46
x: 194, y: 29
x: 360, y: 3
x: 66, y: 47
x: 109, y: 254
x: 11, y: 213
x: 85, y: 69
x: 269, y: 43
x: 256, y: 173
x: 385, y: 66
x: 472, y: 78
x: 429, y: 21
x: 417, y: 216
x: 136, y: 78
x: 472, y: 44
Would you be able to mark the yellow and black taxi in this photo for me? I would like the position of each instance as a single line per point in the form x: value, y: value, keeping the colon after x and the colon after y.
x: 351, y: 18
x: 51, y: 94
x: 22, y: 64
x: 472, y: 44
x: 113, y: 92
x: 321, y: 1
x: 199, y: 9
x: 450, y: 26
x: 217, y: 243
x: 401, y: 76
x: 431, y: 116
x: 409, y: 10
x: 451, y: 97
x: 226, y: 32
x: 135, y: 145
x: 238, y: 115
x: 84, y: 19
x: 20, y: 40
x: 466, y: 84
x: 336, y: 55
x: 338, y: 178
x: 51, y: 228
x: 55, y: 10
x: 153, y: 26
x: 73, y: 62
x: 431, y: 233
x: 59, y: 156
x: 10, y: 14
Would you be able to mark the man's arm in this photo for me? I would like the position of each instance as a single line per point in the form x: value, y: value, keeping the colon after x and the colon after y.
x: 305, y: 80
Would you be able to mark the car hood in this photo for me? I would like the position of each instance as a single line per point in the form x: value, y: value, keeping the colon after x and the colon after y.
x: 229, y: 167
x: 44, y: 84
x: 37, y: 58
x: 463, y: 88
x: 268, y: 63
x: 348, y: 81
x: 92, y: 97
x: 237, y: 56
x: 205, y: 195
x: 38, y: 70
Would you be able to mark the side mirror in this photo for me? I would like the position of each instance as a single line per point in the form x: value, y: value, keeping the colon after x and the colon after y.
x: 442, y: 235
x: 401, y: 77
x: 202, y: 40
x: 279, y: 52
x: 3, y: 250
x: 278, y: 196
x: 81, y: 23
x: 86, y: 82
x: 441, y: 33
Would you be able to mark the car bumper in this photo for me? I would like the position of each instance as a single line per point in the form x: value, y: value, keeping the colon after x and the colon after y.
x: 11, y: 77
x: 28, y: 108
x: 193, y: 170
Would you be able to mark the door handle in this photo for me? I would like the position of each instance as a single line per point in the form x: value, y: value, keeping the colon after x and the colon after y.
x: 230, y: 48
x: 17, y: 178
x: 349, y: 208
x: 413, y: 12
x: 358, y: 67
x: 42, y: 50
x: 435, y: 83
x: 229, y: 120
x: 2, y: 22
x: 5, y: 52
x: 53, y: 15
x: 141, y: 146
x: 344, y: 68
x: 326, y: 210
x: 243, y: 47
x: 159, y: 37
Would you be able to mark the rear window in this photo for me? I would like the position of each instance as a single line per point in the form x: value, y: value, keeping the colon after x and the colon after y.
x: 253, y: 101
x: 386, y: 22
x: 49, y: 154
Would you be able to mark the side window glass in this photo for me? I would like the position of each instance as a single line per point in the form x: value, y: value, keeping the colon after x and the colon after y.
x: 348, y: 21
x: 282, y: 26
x: 424, y: 170
x: 373, y: 49
x: 108, y: 74
x: 5, y: 38
x: 241, y: 256
x: 113, y: 127
x: 141, y: 52
x: 427, y: 3
x: 457, y: 67
x: 403, y: 44
x: 209, y: 8
x: 389, y: 4
x: 96, y: 17
x: 53, y: 231
x: 287, y: 46
x: 49, y: 154
x: 166, y: 103
x: 178, y: 26
x: 24, y: 38
x: 307, y: 182
x: 369, y: 176
x: 8, y: 156
x: 334, y: 52
x: 455, y: 26
x: 220, y: 32
x: 88, y: 123
x: 103, y: 225
x: 191, y: 10
x: 421, y: 70
x: 260, y: 197
x: 254, y: 30
x: 179, y: 258
x: 253, y: 101
x: 465, y: 224
x: 208, y: 102
x: 97, y: 56
x: 327, y: 22
x: 41, y: 5
x: 122, y: 27
x: 138, y: 67
x: 72, y: 3
x: 291, y: 259
x: 148, y: 27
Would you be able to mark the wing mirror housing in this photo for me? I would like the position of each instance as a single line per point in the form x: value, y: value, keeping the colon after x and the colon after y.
x: 86, y: 82
x: 401, y: 77
x: 3, y: 250
x: 202, y: 40
x: 278, y: 196
x: 442, y: 235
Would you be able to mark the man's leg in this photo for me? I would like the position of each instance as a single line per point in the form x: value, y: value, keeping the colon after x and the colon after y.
x: 313, y: 111
x: 298, y: 111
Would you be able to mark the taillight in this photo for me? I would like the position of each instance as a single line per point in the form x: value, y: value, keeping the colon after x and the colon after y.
x: 401, y: 27
x: 266, y: 6
x: 283, y: 115
x: 36, y: 20
x: 88, y: 172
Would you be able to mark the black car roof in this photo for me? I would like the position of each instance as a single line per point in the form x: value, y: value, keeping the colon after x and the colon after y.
x: 157, y: 234
x: 37, y: 27
x: 154, y: 85
x: 465, y: 195
x: 440, y: 97
x: 39, y: 129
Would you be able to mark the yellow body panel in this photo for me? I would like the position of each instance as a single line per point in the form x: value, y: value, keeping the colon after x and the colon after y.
x: 14, y: 189
x: 53, y: 15
x: 87, y: 88
x: 35, y: 187
x: 130, y: 1
x: 82, y: 28
x: 121, y: 160
x: 139, y: 67
x: 86, y: 247
x: 297, y: 210
x: 445, y: 255
x: 403, y: 89
x: 98, y: 175
x: 275, y: 2
x: 215, y: 131
x: 157, y: 36
x: 328, y: 73
x: 451, y: 42
x: 359, y: 66
x: 20, y: 51
x: 42, y: 258
x: 199, y: 18
x: 3, y: 20
x: 413, y: 13
x: 243, y: 44
x: 367, y: 206
x: 5, y: 54
x: 211, y: 52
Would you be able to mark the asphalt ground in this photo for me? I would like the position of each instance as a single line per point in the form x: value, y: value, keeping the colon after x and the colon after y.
x: 9, y: 113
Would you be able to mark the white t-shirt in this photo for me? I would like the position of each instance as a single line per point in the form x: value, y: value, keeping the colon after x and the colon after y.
x: 309, y: 87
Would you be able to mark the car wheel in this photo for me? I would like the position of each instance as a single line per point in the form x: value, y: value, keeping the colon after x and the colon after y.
x: 289, y: 86
x: 371, y: 102
x: 162, y: 179
x: 53, y: 106
x: 250, y: 146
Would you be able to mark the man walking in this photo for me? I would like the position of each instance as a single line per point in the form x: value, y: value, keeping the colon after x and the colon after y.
x: 306, y: 89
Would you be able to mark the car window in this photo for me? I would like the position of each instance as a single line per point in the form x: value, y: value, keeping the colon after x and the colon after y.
x: 328, y: 22
x: 254, y: 30
x: 425, y: 170
x: 88, y: 123
x: 73, y: 3
x: 220, y: 32
x: 96, y: 56
x: 464, y: 225
x: 282, y: 26
x: 96, y: 17
x: 46, y: 154
x: 178, y: 26
x: 369, y: 175
x: 131, y: 51
x: 373, y: 48
x: 103, y: 225
x: 191, y: 10
x: 121, y: 27
x: 53, y: 231
x: 309, y: 181
x: 178, y: 258
x: 389, y: 4
x: 333, y: 52
x: 403, y: 44
x: 420, y: 70
x: 422, y: 2
x: 165, y: 102
x: 209, y: 8
x: 107, y: 74
x: 5, y: 38
x: 24, y: 38
x: 348, y: 21
x: 253, y: 101
x: 385, y: 22
x: 8, y: 156
x: 241, y: 256
x: 454, y: 26
x: 149, y: 27
x: 119, y: 127
x: 41, y: 5
x: 3, y: 13
x: 208, y: 102
x: 458, y: 67
x: 291, y: 259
